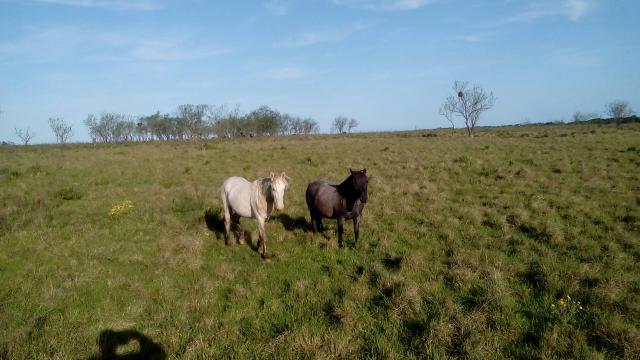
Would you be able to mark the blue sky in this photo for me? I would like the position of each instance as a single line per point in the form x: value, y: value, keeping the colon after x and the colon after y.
x: 388, y: 63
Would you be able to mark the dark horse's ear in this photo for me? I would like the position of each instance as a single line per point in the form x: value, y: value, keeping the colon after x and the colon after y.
x: 364, y: 171
x: 351, y: 171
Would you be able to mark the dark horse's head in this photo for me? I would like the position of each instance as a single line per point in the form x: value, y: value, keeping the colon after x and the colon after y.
x: 360, y: 182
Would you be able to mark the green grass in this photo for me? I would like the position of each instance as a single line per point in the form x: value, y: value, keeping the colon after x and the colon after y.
x: 468, y: 248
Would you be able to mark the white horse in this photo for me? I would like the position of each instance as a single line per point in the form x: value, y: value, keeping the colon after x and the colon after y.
x: 241, y: 198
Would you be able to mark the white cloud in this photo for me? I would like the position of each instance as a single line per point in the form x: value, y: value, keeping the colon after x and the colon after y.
x: 574, y: 58
x: 470, y: 38
x: 576, y: 9
x: 277, y: 7
x: 44, y: 44
x: 385, y: 5
x: 135, y: 5
x: 58, y: 43
x: 285, y: 73
x: 571, y: 9
x: 324, y: 36
x: 170, y: 49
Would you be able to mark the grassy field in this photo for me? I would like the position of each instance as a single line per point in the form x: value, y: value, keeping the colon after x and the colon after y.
x: 521, y: 243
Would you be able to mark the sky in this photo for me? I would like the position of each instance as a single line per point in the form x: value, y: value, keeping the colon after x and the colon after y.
x: 388, y: 63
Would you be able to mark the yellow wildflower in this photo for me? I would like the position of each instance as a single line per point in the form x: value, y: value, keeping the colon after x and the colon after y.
x: 121, y: 208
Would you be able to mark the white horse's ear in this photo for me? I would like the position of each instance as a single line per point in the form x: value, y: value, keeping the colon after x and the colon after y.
x: 271, y: 175
x: 285, y: 176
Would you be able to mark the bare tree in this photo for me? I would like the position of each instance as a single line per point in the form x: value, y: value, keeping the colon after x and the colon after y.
x: 469, y: 102
x: 60, y: 129
x: 582, y: 117
x: 353, y: 123
x: 446, y: 110
x: 25, y: 135
x: 339, y: 125
x: 618, y: 110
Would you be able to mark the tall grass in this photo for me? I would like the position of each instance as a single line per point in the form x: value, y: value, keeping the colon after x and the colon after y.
x: 521, y: 243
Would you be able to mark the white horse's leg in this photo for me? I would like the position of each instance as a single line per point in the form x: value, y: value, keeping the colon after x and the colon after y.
x: 227, y: 217
x: 235, y: 225
x: 262, y: 241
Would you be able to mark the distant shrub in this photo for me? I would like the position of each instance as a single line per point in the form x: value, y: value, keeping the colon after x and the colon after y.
x: 69, y: 193
x: 101, y: 180
x: 14, y: 174
x: 10, y: 173
x: 206, y: 146
x: 309, y: 161
x: 35, y: 169
x: 464, y: 160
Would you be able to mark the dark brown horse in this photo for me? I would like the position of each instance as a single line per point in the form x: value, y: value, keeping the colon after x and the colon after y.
x: 344, y: 201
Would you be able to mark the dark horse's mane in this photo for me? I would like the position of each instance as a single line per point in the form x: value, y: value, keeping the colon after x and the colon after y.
x: 347, y: 190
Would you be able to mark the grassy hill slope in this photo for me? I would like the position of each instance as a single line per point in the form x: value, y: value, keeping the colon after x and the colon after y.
x: 521, y: 243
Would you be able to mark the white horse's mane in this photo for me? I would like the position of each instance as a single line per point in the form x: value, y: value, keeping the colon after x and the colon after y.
x: 262, y: 193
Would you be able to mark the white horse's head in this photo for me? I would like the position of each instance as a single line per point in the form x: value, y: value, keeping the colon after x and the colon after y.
x: 279, y: 183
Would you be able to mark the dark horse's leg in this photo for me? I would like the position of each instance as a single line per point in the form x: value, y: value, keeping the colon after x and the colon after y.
x: 340, y: 230
x: 316, y: 221
x: 356, y: 227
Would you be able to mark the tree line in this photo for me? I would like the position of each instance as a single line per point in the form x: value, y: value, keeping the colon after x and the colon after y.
x: 188, y: 122
x: 197, y: 122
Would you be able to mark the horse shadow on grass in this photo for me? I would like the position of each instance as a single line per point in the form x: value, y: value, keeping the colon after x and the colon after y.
x: 215, y: 223
x: 292, y: 224
x: 111, y: 340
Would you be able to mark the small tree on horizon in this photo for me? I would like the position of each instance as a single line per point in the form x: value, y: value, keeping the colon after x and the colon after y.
x: 61, y: 130
x: 446, y: 110
x: 25, y: 135
x: 618, y: 110
x: 339, y: 125
x: 353, y: 123
x: 469, y: 102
